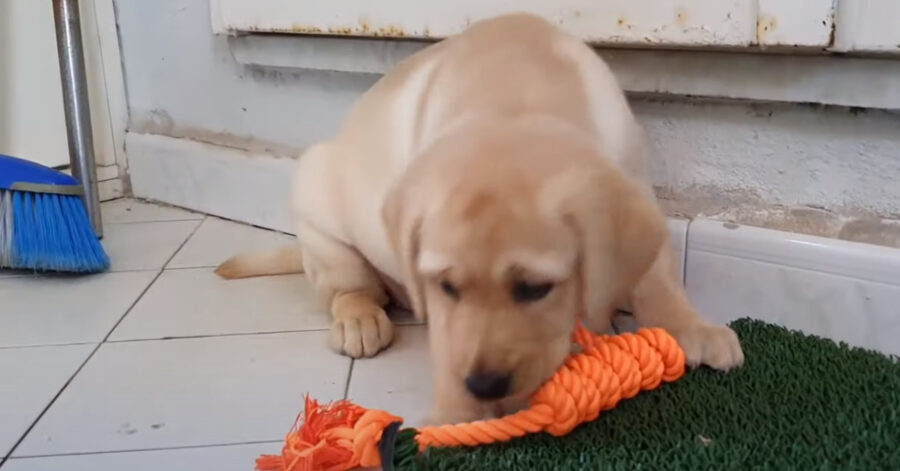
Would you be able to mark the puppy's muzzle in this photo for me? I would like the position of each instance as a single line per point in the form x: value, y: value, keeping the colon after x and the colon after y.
x: 489, y: 386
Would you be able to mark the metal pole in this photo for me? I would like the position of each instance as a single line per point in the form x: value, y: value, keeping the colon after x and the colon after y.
x: 77, y: 109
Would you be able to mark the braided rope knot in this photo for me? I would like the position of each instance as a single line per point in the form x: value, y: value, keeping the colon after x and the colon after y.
x: 609, y: 368
x: 331, y: 437
x: 343, y: 435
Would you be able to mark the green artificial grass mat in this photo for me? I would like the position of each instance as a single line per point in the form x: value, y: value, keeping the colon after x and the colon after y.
x: 799, y: 402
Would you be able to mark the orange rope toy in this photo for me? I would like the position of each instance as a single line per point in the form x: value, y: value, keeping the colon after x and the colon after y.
x: 343, y: 435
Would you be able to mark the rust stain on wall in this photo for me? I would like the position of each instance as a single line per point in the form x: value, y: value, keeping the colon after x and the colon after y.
x: 623, y: 23
x: 364, y: 28
x: 305, y: 29
x: 765, y: 24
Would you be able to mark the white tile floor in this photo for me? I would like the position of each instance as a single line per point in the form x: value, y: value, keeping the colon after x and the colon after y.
x: 158, y: 364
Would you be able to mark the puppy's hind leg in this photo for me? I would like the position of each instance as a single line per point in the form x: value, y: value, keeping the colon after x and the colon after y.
x: 352, y: 289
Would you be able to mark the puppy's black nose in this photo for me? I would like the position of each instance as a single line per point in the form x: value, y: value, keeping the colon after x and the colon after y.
x: 488, y: 385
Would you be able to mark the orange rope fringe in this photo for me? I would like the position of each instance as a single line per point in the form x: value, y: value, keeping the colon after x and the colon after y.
x: 343, y: 435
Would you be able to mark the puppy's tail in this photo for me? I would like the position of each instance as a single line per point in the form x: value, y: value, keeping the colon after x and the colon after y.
x: 280, y: 261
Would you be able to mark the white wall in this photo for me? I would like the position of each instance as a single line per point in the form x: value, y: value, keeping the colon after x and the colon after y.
x: 848, y: 161
x: 32, y: 125
x: 32, y: 119
x: 184, y: 82
x: 181, y: 80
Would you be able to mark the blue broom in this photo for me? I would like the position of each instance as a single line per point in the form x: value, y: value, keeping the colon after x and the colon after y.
x: 43, y: 222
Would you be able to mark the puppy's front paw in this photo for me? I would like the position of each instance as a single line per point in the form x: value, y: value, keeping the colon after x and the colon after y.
x: 715, y: 346
x: 361, y: 333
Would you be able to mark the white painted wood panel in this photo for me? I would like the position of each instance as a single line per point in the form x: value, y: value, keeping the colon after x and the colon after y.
x: 807, y: 23
x: 864, y: 26
x: 868, y: 26
x: 664, y: 22
x: 828, y: 80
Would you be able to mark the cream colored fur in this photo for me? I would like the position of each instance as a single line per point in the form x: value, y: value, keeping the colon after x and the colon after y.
x: 504, y: 157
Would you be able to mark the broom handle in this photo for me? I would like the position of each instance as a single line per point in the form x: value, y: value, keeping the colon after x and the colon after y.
x: 77, y: 109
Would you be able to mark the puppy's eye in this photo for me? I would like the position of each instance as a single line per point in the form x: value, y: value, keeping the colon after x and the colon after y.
x: 526, y: 292
x: 449, y: 289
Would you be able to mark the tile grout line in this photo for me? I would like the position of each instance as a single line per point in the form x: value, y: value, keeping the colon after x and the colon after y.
x: 206, y: 336
x: 196, y: 267
x: 108, y: 272
x: 140, y: 450
x: 94, y: 351
x: 66, y: 344
x: 77, y: 371
x: 349, y: 375
x: 152, y: 282
x: 228, y: 334
x: 684, y: 254
x: 47, y: 407
x: 123, y: 223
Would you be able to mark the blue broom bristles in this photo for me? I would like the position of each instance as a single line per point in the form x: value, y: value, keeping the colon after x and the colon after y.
x: 48, y: 232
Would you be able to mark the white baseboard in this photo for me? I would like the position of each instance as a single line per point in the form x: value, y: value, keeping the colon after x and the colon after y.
x: 223, y: 181
x: 841, y: 290
x: 845, y: 291
x: 110, y: 189
x: 109, y: 185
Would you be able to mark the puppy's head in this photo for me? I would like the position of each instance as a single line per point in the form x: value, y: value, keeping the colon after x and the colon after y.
x: 505, y: 243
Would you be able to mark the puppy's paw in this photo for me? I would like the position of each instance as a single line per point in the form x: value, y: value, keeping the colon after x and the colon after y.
x: 715, y: 346
x: 362, y: 333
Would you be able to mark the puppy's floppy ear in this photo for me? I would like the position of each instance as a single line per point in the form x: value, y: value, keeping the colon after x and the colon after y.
x: 402, y: 216
x: 619, y: 227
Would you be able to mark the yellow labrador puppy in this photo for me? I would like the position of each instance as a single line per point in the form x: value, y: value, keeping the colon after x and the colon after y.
x: 494, y: 183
